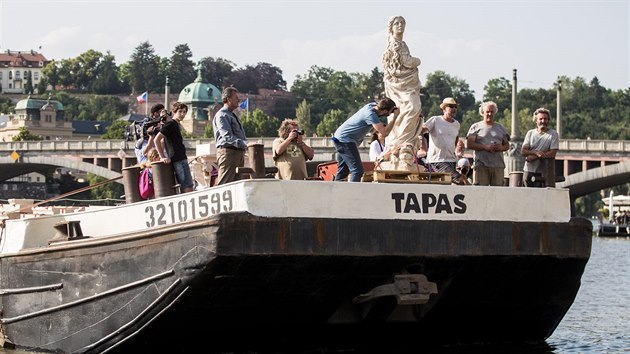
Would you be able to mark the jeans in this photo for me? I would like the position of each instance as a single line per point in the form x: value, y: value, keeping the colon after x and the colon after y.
x: 182, y: 173
x: 348, y: 161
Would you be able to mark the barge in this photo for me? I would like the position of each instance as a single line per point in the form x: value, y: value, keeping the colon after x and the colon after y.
x: 294, y: 264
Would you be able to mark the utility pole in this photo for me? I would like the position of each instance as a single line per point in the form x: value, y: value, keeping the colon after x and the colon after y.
x: 514, y: 161
x: 514, y: 107
x: 167, y: 92
x: 559, y: 109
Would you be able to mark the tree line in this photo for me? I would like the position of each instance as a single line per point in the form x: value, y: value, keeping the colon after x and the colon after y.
x: 325, y: 97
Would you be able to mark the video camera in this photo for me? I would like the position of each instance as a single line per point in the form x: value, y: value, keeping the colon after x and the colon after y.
x: 147, y: 123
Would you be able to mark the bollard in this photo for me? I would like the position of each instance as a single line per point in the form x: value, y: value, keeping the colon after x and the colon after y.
x: 163, y: 179
x: 256, y: 155
x: 548, y: 172
x: 516, y: 179
x: 130, y: 184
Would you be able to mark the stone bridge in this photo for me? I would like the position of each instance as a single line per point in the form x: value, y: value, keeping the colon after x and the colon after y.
x: 588, y: 165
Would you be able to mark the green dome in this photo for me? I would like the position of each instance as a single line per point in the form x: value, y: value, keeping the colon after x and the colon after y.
x: 200, y: 92
x: 32, y: 103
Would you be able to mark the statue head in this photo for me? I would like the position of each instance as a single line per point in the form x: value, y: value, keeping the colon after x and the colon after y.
x: 392, y: 20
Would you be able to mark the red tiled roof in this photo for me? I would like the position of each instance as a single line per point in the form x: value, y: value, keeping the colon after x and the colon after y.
x: 26, y: 57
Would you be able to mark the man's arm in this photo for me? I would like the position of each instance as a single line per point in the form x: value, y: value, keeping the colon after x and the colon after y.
x: 159, y: 145
x: 386, y: 129
x: 282, y: 147
x: 308, y: 151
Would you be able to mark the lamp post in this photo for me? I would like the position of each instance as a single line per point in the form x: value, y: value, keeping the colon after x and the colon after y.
x: 514, y: 161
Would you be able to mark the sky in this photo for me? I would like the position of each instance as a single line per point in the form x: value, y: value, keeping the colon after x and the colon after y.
x: 475, y: 41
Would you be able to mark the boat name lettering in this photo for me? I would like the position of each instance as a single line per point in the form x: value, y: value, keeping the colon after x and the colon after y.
x: 200, y: 206
x: 429, y: 203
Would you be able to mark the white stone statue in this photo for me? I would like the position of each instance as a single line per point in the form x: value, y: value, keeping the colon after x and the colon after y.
x: 402, y: 84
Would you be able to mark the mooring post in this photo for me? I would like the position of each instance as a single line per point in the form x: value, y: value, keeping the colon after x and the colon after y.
x: 549, y: 172
x: 163, y: 179
x: 256, y: 156
x: 130, y: 184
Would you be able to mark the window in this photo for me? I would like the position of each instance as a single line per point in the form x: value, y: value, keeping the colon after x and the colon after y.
x: 35, y: 76
x: 14, y: 187
x: 10, y: 75
x: 0, y: 75
x: 17, y: 75
x: 25, y: 74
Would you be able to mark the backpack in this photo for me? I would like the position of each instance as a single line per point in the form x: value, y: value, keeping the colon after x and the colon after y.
x: 145, y: 183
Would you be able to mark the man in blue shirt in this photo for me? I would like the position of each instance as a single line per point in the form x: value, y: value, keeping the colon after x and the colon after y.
x: 350, y: 134
x: 229, y: 136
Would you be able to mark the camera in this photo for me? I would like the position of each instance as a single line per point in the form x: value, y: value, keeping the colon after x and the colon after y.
x: 148, y: 123
x: 299, y: 131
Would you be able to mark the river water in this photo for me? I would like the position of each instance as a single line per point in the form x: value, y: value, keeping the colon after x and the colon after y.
x: 598, y: 322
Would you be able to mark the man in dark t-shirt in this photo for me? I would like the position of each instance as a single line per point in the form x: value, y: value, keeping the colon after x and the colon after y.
x: 171, y: 130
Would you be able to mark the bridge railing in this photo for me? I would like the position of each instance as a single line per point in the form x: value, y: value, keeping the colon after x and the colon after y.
x: 566, y: 145
x: 65, y: 145
x: 614, y: 146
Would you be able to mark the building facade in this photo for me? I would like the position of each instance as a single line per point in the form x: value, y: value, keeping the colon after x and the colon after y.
x: 44, y: 118
x: 17, y: 66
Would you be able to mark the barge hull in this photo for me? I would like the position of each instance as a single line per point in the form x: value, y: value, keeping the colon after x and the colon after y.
x: 284, y: 281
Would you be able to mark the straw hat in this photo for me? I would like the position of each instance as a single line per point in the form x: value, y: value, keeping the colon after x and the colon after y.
x: 448, y: 101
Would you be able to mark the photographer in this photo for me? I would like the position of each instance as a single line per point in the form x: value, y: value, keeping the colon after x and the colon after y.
x: 290, y: 153
x: 463, y: 169
x: 150, y: 127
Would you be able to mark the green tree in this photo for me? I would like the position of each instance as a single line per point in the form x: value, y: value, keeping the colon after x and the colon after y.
x: 215, y: 71
x: 110, y: 190
x: 6, y: 105
x: 244, y: 79
x: 116, y: 130
x: 258, y: 124
x: 268, y: 76
x: 303, y: 118
x: 331, y: 121
x: 181, y: 70
x: 102, y: 108
x: 85, y: 69
x: 50, y: 73
x: 312, y: 88
x: 28, y: 87
x: 107, y: 79
x: 208, y: 132
x: 143, y: 69
x: 374, y: 85
x: 25, y: 135
x: 440, y: 85
x: 500, y: 92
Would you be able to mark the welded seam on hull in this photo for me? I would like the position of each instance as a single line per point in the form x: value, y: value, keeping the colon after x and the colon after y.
x: 123, y: 328
x: 88, y: 299
x: 34, y: 289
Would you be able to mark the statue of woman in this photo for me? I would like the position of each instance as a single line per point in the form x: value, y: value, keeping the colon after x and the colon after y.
x: 402, y: 84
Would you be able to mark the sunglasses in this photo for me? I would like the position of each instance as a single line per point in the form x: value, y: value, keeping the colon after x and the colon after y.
x: 451, y: 106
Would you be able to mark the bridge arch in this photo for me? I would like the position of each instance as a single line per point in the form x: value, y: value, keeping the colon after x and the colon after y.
x: 596, y: 179
x: 35, y: 163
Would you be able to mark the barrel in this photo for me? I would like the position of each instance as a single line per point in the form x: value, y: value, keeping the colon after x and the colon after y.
x: 163, y: 179
x: 516, y: 179
x: 130, y: 184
